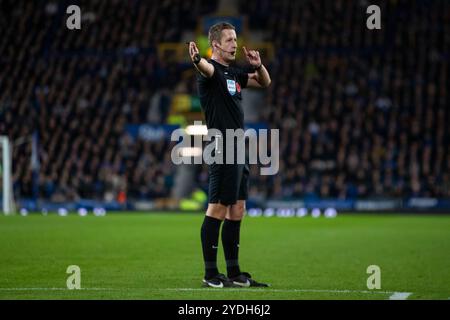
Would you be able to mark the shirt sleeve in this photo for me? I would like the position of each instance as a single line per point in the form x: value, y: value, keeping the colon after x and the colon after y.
x: 242, y: 78
x: 205, y: 81
x: 200, y: 77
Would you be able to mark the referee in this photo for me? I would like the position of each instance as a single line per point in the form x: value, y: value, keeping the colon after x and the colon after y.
x: 220, y: 89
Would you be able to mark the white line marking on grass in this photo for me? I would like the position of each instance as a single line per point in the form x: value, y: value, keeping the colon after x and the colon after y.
x: 393, y: 295
x: 400, y: 296
x: 56, y: 289
x: 278, y: 290
x: 201, y: 289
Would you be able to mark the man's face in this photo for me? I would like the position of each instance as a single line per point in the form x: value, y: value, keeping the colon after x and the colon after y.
x: 228, y: 44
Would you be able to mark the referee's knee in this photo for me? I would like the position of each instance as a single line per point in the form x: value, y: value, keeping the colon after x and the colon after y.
x: 217, y: 211
x: 237, y: 211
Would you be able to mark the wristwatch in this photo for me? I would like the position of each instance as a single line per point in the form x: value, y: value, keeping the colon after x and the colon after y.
x: 197, y: 58
x: 258, y: 67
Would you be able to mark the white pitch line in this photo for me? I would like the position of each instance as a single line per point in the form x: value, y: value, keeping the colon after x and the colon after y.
x: 278, y: 290
x: 393, y: 295
x: 400, y: 296
x: 56, y: 289
x: 267, y: 290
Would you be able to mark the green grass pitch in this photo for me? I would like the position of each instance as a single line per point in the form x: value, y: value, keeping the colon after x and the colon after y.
x: 158, y: 256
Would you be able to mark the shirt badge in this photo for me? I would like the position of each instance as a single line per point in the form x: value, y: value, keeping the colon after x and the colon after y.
x: 231, y: 85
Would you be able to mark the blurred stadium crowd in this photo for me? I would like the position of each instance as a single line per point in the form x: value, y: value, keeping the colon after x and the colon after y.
x: 361, y: 113
x: 78, y: 89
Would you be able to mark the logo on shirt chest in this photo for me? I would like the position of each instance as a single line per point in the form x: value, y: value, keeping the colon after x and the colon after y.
x: 231, y: 85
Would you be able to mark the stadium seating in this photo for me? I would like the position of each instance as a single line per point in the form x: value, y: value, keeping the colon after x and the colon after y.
x: 362, y: 113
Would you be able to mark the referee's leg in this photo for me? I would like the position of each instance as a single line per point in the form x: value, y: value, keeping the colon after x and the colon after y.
x: 232, y: 226
x: 224, y: 187
x: 210, y: 230
x: 230, y: 237
x: 230, y: 240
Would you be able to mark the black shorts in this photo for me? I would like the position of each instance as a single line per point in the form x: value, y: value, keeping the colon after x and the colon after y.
x: 228, y: 183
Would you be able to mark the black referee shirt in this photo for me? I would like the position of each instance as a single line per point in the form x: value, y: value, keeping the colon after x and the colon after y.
x: 221, y: 96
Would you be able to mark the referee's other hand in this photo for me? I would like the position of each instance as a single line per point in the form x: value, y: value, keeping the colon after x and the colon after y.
x: 252, y: 56
x: 193, y: 50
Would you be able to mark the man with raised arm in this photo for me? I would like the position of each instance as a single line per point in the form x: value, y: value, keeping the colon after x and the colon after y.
x: 220, y: 89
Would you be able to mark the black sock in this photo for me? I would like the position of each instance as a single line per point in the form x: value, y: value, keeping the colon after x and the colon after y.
x: 210, y: 240
x: 230, y: 240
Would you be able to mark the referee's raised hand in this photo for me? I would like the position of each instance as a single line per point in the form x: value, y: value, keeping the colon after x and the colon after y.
x: 203, y: 66
x: 252, y: 57
x: 193, y: 51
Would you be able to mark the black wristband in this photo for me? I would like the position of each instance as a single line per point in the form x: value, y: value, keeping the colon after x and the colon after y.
x: 257, y: 68
x: 197, y: 59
